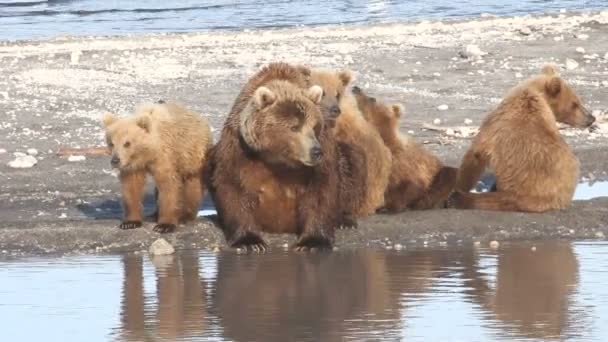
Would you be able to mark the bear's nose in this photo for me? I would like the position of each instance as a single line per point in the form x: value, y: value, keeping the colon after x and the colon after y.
x: 590, y: 120
x: 115, y: 161
x: 316, y: 153
x: 335, y: 110
x: 356, y: 90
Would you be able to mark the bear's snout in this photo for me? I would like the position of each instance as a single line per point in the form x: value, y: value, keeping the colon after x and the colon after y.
x: 115, y: 161
x: 356, y: 90
x: 316, y: 153
x: 590, y: 120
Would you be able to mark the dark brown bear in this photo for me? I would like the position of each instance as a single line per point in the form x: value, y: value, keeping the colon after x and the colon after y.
x: 276, y: 167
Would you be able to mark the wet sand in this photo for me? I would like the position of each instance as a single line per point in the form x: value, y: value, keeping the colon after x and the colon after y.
x: 53, y: 93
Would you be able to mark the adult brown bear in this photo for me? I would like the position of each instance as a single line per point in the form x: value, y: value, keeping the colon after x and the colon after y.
x: 276, y: 167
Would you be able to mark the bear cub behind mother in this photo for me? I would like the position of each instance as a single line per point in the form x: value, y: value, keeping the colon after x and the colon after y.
x: 275, y: 168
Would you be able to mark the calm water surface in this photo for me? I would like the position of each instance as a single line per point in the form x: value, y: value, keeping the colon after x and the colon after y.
x: 557, y: 292
x: 35, y: 19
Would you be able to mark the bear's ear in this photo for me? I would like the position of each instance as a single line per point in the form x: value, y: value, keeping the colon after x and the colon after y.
x: 550, y: 70
x: 144, y: 122
x: 397, y: 110
x: 108, y: 119
x: 553, y: 86
x: 315, y: 93
x: 264, y: 97
x: 346, y: 77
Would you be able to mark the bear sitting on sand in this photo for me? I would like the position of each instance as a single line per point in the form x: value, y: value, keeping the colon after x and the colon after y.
x: 418, y: 180
x: 535, y: 169
x: 275, y: 168
x: 169, y: 142
x: 368, y: 160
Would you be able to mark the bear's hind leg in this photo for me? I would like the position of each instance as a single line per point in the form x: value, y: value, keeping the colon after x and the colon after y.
x: 498, y: 201
x: 441, y: 187
x: 192, y: 192
x: 132, y: 187
x: 472, y: 167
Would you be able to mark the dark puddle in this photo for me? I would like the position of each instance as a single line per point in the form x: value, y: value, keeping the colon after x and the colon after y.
x: 554, y: 291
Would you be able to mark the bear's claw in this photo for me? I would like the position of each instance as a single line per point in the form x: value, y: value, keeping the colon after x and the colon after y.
x: 130, y: 225
x: 164, y: 228
x: 249, y: 240
x: 312, y: 243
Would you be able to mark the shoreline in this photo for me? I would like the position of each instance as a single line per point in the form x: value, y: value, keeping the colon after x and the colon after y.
x: 54, y: 92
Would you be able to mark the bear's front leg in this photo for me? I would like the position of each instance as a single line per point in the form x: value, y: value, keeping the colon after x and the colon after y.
x: 317, y: 220
x: 235, y: 211
x: 132, y: 188
x: 169, y: 190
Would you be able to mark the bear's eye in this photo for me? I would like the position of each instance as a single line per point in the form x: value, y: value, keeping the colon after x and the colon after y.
x: 338, y: 96
x: 110, y: 145
x: 127, y: 144
x: 574, y: 106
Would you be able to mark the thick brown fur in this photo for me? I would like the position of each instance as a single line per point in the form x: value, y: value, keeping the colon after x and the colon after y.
x: 418, y: 180
x: 261, y: 175
x: 169, y: 142
x: 535, y: 169
x: 369, y: 160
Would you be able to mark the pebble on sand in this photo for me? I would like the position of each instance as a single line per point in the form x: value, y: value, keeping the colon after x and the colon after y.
x: 525, y: 31
x: 571, y: 64
x: 580, y: 49
x: 606, y: 56
x: 398, y: 247
x: 23, y: 162
x: 75, y: 57
x: 32, y: 152
x: 443, y: 107
x: 2, y: 151
x: 472, y: 51
x: 161, y: 247
x: 582, y: 36
x: 437, y: 122
x: 494, y: 244
x: 468, y: 121
x: 76, y: 158
x: 600, y: 235
x: 533, y: 248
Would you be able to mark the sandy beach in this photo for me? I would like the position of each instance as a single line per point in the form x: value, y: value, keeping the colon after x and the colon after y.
x: 54, y: 92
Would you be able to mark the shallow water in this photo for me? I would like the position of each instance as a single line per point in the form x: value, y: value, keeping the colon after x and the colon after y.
x: 36, y: 19
x: 555, y: 292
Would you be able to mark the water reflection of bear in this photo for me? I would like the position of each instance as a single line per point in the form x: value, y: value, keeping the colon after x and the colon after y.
x: 533, y: 289
x: 180, y: 306
x: 317, y: 297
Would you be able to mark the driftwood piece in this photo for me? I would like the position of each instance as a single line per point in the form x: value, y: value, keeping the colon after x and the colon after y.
x: 84, y: 151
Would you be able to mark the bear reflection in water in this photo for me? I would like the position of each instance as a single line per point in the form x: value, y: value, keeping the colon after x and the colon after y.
x: 180, y: 309
x: 358, y: 294
x: 533, y: 289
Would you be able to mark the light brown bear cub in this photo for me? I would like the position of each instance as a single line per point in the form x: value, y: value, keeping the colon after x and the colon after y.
x: 369, y: 160
x: 535, y: 169
x: 169, y: 142
x: 418, y: 180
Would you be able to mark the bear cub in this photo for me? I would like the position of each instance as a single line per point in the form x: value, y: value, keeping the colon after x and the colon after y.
x: 535, y: 169
x: 168, y: 142
x: 418, y: 180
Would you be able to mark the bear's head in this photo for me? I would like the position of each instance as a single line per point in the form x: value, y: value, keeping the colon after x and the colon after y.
x: 282, y: 123
x: 565, y: 104
x: 385, y: 118
x: 129, y: 141
x: 334, y: 85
